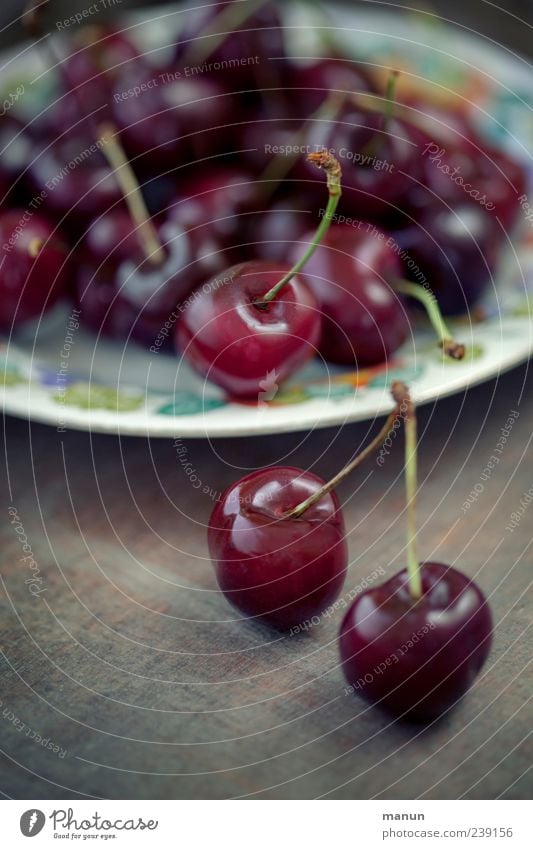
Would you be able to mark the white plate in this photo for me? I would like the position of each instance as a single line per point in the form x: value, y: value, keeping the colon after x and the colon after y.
x: 105, y: 386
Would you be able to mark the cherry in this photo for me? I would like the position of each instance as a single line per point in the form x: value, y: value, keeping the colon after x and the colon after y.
x: 87, y: 70
x: 258, y: 319
x: 99, y: 51
x: 111, y: 238
x: 73, y: 178
x: 214, y: 198
x: 264, y: 136
x: 134, y: 273
x: 351, y: 274
x: 33, y: 270
x: 277, y: 540
x: 456, y: 250
x: 280, y: 570
x: 415, y: 644
x: 228, y: 337
x: 16, y: 150
x: 355, y: 275
x: 378, y: 152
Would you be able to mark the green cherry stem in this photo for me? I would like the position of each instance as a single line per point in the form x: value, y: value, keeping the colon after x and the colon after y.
x: 330, y: 165
x: 426, y: 297
x: 401, y: 395
x: 389, y: 98
x: 378, y: 440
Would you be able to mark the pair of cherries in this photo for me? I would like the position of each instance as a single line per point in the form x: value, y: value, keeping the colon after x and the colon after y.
x: 413, y: 645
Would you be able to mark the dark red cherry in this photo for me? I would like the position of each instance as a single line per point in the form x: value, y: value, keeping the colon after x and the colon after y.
x: 33, y: 267
x: 466, y: 170
x: 230, y: 339
x: 416, y: 658
x: 350, y: 272
x: 308, y: 82
x: 244, y: 52
x: 455, y: 249
x: 282, y: 571
x: 272, y: 233
x: 121, y: 292
x: 264, y: 138
x: 73, y: 177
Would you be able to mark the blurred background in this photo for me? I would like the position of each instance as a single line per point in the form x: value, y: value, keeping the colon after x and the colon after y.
x: 510, y: 25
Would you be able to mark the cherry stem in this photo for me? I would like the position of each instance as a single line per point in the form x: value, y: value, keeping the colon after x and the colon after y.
x: 378, y: 440
x: 114, y: 153
x: 387, y: 109
x: 330, y: 165
x: 281, y: 164
x: 451, y: 348
x: 402, y: 397
x: 228, y: 20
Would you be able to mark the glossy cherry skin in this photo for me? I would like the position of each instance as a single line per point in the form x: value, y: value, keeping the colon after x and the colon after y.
x: 230, y: 340
x: 33, y: 269
x: 281, y: 571
x: 364, y: 320
x: 466, y: 170
x: 111, y: 237
x: 450, y: 631
x: 82, y: 190
x: 121, y: 293
x: 456, y: 250
x: 372, y: 181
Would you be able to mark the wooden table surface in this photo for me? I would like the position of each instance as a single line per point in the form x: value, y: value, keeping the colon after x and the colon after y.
x: 141, y: 681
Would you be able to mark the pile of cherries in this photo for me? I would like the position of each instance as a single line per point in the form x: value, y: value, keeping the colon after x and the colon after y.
x: 413, y: 645
x: 150, y: 190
